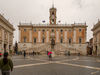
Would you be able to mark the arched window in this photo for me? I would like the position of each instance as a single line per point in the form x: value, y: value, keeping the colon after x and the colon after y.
x: 52, y: 13
x: 70, y: 30
x: 80, y: 40
x: 61, y: 31
x: 24, y: 30
x: 61, y: 40
x: 53, y: 20
x: 34, y: 30
x: 70, y: 40
x: 24, y: 39
x: 52, y: 30
x: 43, y: 40
x: 80, y: 30
x: 43, y: 31
x: 34, y: 40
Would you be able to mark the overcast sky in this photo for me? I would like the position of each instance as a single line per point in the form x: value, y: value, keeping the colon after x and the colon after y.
x: 36, y: 11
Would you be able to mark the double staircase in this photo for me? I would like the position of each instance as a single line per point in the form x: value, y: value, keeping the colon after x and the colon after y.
x: 59, y: 49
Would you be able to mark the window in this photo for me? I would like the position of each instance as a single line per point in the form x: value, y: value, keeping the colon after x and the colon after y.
x: 80, y: 40
x: 61, y: 31
x: 61, y: 40
x: 52, y: 13
x: 43, y: 30
x: 43, y: 40
x: 34, y: 40
x: 24, y: 39
x: 70, y: 40
x: 80, y: 30
x: 52, y: 20
x: 69, y: 30
x: 34, y: 30
x: 24, y: 30
x: 52, y: 30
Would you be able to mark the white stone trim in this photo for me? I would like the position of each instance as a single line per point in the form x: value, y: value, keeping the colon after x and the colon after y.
x: 57, y: 36
x: 30, y: 35
x: 39, y: 36
x: 3, y: 40
x: 74, y: 39
x: 19, y: 35
x: 8, y: 41
x: 47, y: 37
x: 65, y: 36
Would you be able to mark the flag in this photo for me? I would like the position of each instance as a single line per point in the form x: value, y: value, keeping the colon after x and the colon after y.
x: 59, y: 21
x: 43, y: 21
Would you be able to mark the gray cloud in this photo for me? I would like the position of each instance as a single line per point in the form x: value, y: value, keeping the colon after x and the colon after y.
x: 78, y: 3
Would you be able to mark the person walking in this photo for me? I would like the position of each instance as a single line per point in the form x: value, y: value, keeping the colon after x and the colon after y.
x: 50, y: 55
x: 6, y: 65
x: 33, y: 53
x: 24, y: 54
x: 0, y: 54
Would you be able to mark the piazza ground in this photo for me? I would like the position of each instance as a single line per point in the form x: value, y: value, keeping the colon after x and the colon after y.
x: 60, y: 65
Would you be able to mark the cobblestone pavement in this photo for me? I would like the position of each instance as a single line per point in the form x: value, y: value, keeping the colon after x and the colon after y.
x: 60, y: 65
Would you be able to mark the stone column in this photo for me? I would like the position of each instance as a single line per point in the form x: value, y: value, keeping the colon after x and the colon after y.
x: 19, y: 35
x: 57, y: 36
x: 85, y: 34
x: 2, y: 40
x: 39, y: 36
x: 65, y: 36
x: 47, y: 36
x: 74, y: 38
x: 94, y: 43
x: 0, y: 47
x: 8, y: 41
x: 11, y: 42
x: 98, y: 50
x: 30, y: 35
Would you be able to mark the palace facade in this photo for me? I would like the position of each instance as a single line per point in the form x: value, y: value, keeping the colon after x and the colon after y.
x: 96, y: 39
x: 67, y: 37
x: 6, y: 35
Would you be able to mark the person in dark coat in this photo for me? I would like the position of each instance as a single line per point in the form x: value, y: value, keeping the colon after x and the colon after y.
x: 24, y: 54
x: 6, y: 64
x: 33, y: 53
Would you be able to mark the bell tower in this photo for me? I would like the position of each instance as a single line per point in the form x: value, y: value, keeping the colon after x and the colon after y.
x: 52, y: 17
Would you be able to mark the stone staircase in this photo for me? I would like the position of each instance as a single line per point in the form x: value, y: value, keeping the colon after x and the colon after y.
x: 59, y: 49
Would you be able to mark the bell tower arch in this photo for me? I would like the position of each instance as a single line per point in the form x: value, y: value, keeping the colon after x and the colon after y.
x: 52, y: 17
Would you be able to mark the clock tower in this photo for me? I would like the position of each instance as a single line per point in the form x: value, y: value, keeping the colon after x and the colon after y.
x: 52, y: 17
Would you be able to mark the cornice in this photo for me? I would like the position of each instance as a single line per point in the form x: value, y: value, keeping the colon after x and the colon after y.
x: 52, y: 26
x: 96, y: 26
x: 7, y: 22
